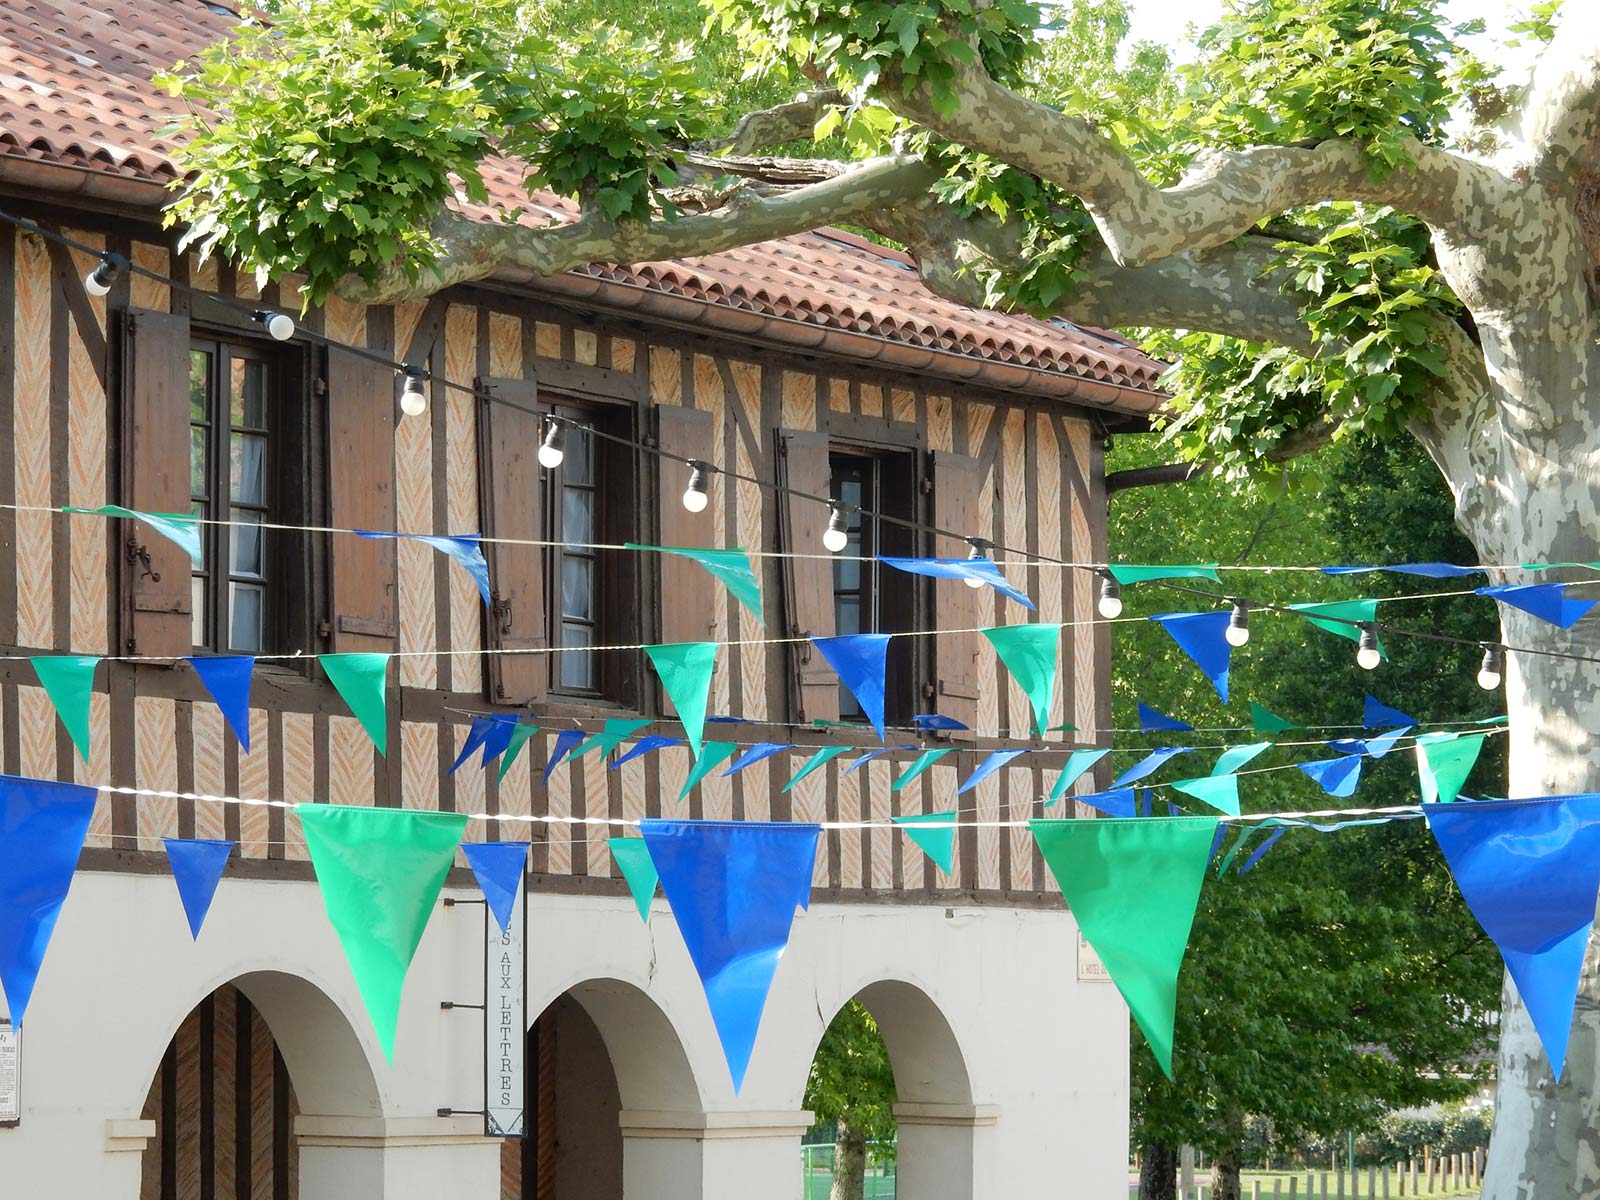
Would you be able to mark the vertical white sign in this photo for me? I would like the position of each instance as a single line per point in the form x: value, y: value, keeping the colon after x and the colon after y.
x: 505, y: 1022
x: 1090, y: 968
x: 10, y: 1074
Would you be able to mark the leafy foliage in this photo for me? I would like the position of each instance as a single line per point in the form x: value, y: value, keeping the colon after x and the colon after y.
x: 851, y: 1080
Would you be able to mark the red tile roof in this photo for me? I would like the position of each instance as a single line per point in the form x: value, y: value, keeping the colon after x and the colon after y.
x: 75, y: 93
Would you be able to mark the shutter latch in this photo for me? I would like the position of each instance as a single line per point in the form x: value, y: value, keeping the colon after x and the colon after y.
x: 501, y: 610
x: 139, y: 555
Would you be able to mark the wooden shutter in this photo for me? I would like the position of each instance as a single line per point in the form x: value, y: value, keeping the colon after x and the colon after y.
x: 685, y: 614
x: 956, y: 483
x: 513, y: 507
x: 807, y: 582
x: 158, y: 607
x: 361, y: 415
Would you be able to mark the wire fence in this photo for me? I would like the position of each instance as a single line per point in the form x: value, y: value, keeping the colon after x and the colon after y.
x: 816, y: 1167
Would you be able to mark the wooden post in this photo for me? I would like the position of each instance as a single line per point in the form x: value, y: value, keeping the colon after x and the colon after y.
x: 1433, y: 1175
x: 1255, y: 1189
x: 1311, y: 1186
x: 1414, y: 1191
x: 1324, y: 1185
x: 1338, y: 1177
x: 1277, y: 1189
x: 1372, y: 1181
x: 1386, y: 1181
x: 1294, y: 1182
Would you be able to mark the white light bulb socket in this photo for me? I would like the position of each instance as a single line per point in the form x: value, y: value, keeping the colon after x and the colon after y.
x: 1492, y: 672
x: 837, y: 535
x: 1368, y: 656
x: 413, y: 399
x: 694, y: 496
x: 553, y: 450
x: 978, y: 551
x: 1110, y: 605
x: 1238, y: 631
x: 279, y: 326
x: 100, y: 281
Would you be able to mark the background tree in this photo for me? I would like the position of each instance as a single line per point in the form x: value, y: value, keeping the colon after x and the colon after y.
x: 1349, y: 267
x: 852, y: 1086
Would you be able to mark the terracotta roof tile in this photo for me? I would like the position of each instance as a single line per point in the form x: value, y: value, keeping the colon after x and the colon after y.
x: 75, y: 91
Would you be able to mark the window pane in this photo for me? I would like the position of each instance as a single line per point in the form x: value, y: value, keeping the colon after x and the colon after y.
x: 249, y: 483
x: 197, y: 461
x: 577, y: 516
x: 247, y: 404
x: 246, y: 543
x: 199, y: 368
x: 579, y: 463
x: 577, y: 669
x: 197, y: 599
x: 207, y: 532
x: 846, y: 573
x: 246, y: 602
x: 847, y: 614
x: 577, y: 590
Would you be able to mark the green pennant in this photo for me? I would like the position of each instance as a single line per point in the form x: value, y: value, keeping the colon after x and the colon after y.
x: 713, y: 756
x: 1444, y: 760
x: 519, y: 738
x: 731, y: 567
x: 1219, y: 791
x: 360, y: 680
x: 616, y: 732
x: 633, y: 859
x: 1133, y: 886
x: 918, y: 765
x: 380, y: 870
x: 1234, y: 757
x: 1030, y: 653
x: 938, y: 844
x: 1127, y: 574
x: 68, y: 680
x: 180, y: 528
x: 1077, y: 763
x: 685, y: 669
x: 1265, y: 721
x: 1338, y: 616
x: 826, y: 755
x: 1233, y: 850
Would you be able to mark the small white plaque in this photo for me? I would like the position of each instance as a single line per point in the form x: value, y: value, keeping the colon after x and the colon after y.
x: 10, y: 1074
x: 1090, y: 968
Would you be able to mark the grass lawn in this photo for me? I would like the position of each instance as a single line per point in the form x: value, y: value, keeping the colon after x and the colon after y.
x: 1279, y: 1180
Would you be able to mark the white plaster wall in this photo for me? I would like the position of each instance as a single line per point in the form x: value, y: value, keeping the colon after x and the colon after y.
x: 1048, y: 1053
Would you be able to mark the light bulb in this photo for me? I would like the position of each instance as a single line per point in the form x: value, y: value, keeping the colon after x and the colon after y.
x: 694, y: 496
x: 279, y: 325
x: 1238, y: 631
x: 554, y: 447
x: 99, y: 281
x: 1368, y: 656
x: 1110, y: 597
x: 1494, y: 665
x: 975, y: 553
x: 413, y: 400
x: 837, y: 535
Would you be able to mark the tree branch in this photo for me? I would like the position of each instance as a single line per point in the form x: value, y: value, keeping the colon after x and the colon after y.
x: 774, y: 126
x: 1561, y: 114
x: 1224, y: 195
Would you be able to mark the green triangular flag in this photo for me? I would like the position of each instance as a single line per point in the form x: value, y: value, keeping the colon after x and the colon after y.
x: 732, y: 567
x: 1234, y: 757
x: 1233, y: 850
x: 1265, y: 721
x: 685, y: 670
x: 1077, y: 763
x: 68, y: 680
x: 608, y: 739
x: 520, y: 734
x: 1219, y: 791
x: 1125, y: 574
x: 1030, y: 653
x: 1133, y: 886
x: 820, y: 758
x: 633, y: 859
x: 360, y: 680
x: 918, y: 765
x: 1346, y: 611
x: 714, y: 755
x: 937, y: 844
x: 180, y: 528
x: 1444, y: 760
x: 380, y: 870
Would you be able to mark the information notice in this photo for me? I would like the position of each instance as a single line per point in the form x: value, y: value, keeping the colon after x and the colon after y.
x: 505, y: 1025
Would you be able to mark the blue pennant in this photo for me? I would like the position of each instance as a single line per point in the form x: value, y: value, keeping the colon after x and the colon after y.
x: 1148, y: 765
x: 502, y: 727
x: 988, y: 767
x: 1547, y: 601
x: 566, y: 741
x: 1260, y: 851
x: 227, y: 678
x: 499, y: 868
x: 1118, y: 802
x: 858, y: 660
x: 931, y: 721
x: 872, y: 754
x: 42, y: 827
x: 197, y: 866
x: 755, y: 754
x: 981, y: 570
x: 733, y: 888
x: 1151, y: 721
x: 650, y: 741
x: 1529, y: 871
x: 1201, y: 637
x: 1144, y: 802
x: 1428, y: 570
x: 1377, y: 715
x: 465, y: 548
x: 476, y: 733
x: 1336, y: 776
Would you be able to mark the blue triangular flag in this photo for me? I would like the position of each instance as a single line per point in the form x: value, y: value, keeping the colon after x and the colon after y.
x: 1336, y: 776
x: 755, y: 754
x: 1377, y: 715
x: 1151, y: 721
x: 733, y: 888
x: 1428, y: 570
x: 1260, y: 851
x: 858, y: 660
x: 476, y: 733
x: 227, y: 677
x: 465, y: 548
x: 497, y: 739
x: 1529, y: 871
x: 1547, y: 601
x: 978, y: 570
x: 930, y: 721
x: 1378, y: 746
x: 1147, y: 765
x: 42, y: 827
x: 498, y: 867
x: 991, y: 764
x: 1201, y: 637
x: 197, y: 866
x: 565, y: 741
x: 649, y: 742
x: 1119, y: 802
x: 1144, y: 803
x: 872, y: 754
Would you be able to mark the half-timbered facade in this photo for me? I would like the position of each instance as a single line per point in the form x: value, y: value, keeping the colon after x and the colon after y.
x: 240, y: 1065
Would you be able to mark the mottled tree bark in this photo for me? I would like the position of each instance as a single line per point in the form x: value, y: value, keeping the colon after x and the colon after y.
x: 849, y: 1164
x: 1225, y: 1183
x: 1158, y: 1172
